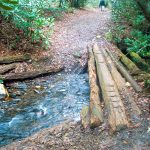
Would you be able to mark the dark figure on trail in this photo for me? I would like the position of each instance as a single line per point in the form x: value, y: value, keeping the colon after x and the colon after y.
x: 102, y: 4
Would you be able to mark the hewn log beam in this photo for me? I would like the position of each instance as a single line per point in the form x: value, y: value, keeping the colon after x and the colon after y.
x: 96, y: 114
x: 121, y: 84
x: 116, y: 111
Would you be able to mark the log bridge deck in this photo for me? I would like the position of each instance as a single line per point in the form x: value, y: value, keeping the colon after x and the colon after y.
x: 106, y: 80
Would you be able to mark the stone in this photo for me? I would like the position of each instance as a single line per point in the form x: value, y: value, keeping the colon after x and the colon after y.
x: 98, y: 36
x: 20, y: 85
x: 77, y: 54
x: 3, y: 91
x: 128, y: 84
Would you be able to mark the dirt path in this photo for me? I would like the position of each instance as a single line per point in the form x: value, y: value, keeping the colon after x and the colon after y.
x: 74, y: 32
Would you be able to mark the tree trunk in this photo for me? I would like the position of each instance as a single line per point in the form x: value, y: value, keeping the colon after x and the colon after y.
x: 125, y: 73
x: 116, y: 111
x: 96, y: 114
x: 6, y: 68
x: 131, y: 66
x: 12, y: 59
x: 29, y: 75
x: 125, y: 93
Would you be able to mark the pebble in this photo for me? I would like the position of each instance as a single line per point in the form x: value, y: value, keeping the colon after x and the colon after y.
x: 36, y: 91
x: 128, y: 84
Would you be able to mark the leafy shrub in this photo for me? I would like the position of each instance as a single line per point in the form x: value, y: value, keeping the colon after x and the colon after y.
x: 139, y: 43
x: 28, y: 16
x: 8, y: 4
x: 147, y: 84
x: 131, y: 25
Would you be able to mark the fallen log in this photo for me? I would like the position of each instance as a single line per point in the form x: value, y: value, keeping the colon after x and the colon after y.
x: 116, y: 111
x: 12, y: 59
x: 120, y: 81
x: 85, y: 117
x: 96, y: 114
x: 125, y: 73
x: 130, y: 65
x: 6, y: 68
x: 139, y: 61
x: 127, y: 62
x: 30, y: 75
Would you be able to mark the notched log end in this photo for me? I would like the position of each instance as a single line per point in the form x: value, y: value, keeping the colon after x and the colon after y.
x: 117, y: 127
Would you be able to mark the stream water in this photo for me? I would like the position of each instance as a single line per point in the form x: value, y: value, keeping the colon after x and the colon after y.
x: 42, y: 103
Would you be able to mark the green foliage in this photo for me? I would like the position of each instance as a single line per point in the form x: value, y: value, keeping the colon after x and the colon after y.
x: 91, y: 3
x: 1, y: 81
x: 132, y: 25
x: 8, y: 4
x: 35, y: 18
x: 28, y: 16
x: 147, y: 83
x: 108, y: 36
x: 139, y: 43
x: 39, y: 33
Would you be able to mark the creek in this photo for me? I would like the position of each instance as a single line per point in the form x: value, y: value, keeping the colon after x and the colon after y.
x: 41, y: 103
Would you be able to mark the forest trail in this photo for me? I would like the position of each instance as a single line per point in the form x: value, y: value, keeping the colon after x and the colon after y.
x: 71, y: 37
x: 73, y: 33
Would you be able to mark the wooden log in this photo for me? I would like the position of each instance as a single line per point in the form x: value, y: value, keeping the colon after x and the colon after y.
x: 12, y: 59
x: 131, y: 66
x: 125, y: 73
x: 127, y: 62
x: 139, y: 61
x: 120, y: 81
x: 6, y: 68
x: 116, y: 111
x: 85, y: 117
x: 96, y: 114
x: 30, y: 75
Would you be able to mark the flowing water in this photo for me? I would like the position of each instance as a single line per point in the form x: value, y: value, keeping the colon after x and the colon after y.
x: 42, y: 103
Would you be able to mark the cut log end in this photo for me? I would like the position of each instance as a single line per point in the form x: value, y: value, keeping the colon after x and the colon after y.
x: 85, y: 117
x: 96, y: 116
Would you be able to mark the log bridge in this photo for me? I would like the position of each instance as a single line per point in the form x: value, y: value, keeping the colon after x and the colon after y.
x: 107, y: 77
